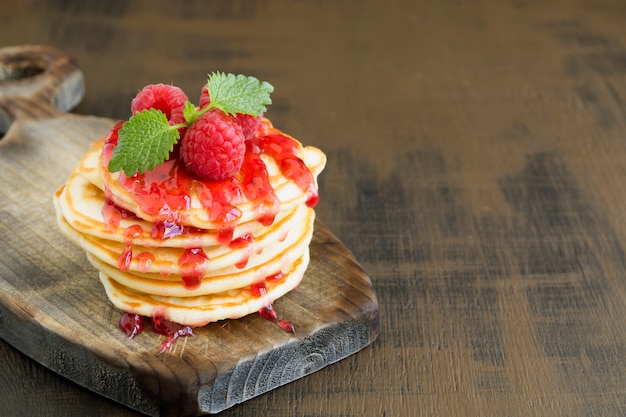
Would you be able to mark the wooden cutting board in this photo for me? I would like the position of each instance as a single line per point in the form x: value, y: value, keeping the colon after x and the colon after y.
x: 52, y: 305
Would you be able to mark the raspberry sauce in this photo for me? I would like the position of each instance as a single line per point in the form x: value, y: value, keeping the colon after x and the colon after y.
x: 277, y: 277
x: 110, y: 142
x: 163, y: 194
x: 219, y: 198
x: 173, y: 331
x: 283, y: 149
x: 131, y: 324
x: 126, y: 257
x: 192, y: 264
x: 144, y: 261
x: 267, y: 312
x: 258, y: 289
x: 244, y: 241
x: 113, y: 215
x: 256, y: 186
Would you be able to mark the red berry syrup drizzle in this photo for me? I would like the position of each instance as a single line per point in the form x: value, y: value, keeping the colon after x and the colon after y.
x: 220, y: 199
x: 162, y: 194
x: 171, y: 330
x: 110, y: 142
x: 267, y: 312
x: 256, y: 185
x: 144, y: 261
x: 126, y: 257
x: 283, y: 149
x: 193, y: 263
x: 133, y: 325
x: 244, y: 241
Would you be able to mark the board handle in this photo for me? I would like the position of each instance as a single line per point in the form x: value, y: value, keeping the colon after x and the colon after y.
x: 37, y: 82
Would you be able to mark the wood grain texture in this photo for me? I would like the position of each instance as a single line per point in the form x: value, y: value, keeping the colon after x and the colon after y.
x: 53, y: 309
x: 476, y: 170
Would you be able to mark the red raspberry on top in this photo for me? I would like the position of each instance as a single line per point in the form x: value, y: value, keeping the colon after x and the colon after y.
x: 167, y: 98
x: 113, y: 135
x: 110, y: 142
x: 249, y: 123
x: 205, y: 99
x: 213, y: 146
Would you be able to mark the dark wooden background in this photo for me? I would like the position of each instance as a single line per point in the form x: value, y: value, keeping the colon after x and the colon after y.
x: 477, y: 170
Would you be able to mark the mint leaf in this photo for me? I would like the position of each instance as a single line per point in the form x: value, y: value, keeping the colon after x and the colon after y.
x: 238, y: 93
x: 190, y: 113
x: 145, y: 141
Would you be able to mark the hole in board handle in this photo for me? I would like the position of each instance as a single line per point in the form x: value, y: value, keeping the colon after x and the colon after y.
x: 19, y: 68
x: 14, y: 68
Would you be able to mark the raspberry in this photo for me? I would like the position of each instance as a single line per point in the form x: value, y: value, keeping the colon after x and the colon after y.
x: 110, y: 142
x: 248, y: 122
x: 213, y: 146
x: 113, y: 135
x: 167, y: 98
x: 205, y: 100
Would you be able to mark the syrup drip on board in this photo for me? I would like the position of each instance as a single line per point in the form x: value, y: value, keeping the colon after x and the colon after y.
x: 267, y: 312
x: 133, y: 325
x: 171, y: 330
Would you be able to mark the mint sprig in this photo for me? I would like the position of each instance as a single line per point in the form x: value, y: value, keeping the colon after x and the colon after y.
x: 147, y: 138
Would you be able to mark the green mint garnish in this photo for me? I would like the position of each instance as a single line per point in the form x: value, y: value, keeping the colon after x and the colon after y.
x: 239, y: 94
x: 147, y: 138
x: 144, y: 141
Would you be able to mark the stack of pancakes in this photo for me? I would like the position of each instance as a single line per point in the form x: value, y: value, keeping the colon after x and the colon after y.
x: 146, y: 274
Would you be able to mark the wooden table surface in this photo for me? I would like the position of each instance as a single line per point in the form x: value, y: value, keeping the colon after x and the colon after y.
x: 476, y: 169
